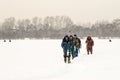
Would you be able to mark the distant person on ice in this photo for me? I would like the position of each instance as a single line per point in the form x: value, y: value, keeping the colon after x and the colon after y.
x: 110, y: 40
x: 66, y: 49
x: 89, y: 45
x: 77, y: 45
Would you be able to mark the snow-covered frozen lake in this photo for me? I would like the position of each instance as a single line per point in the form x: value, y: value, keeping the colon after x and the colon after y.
x: 43, y: 60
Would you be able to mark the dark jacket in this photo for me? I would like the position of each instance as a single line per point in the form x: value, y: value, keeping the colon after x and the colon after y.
x: 65, y: 45
x: 89, y: 42
x: 71, y: 45
x: 77, y: 43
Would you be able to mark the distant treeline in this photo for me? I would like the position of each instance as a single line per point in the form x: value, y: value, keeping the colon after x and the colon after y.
x: 55, y: 28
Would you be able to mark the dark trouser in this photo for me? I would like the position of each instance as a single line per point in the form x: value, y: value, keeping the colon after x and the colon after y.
x: 89, y: 49
x: 67, y: 55
x: 76, y: 52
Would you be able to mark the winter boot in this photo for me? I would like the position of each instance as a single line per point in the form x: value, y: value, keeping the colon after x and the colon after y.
x: 69, y: 60
x: 4, y: 40
x: 91, y: 51
x: 88, y: 52
x: 9, y: 40
x: 73, y: 56
x: 65, y: 60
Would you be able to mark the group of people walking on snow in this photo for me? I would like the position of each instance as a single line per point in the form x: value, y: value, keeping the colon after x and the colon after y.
x: 71, y: 46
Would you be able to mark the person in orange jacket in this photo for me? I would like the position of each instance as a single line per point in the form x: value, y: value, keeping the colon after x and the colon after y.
x: 89, y: 45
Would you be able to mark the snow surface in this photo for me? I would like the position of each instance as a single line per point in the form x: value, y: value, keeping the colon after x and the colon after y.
x: 43, y: 60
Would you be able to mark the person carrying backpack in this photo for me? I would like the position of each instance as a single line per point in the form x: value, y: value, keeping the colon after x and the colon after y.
x: 77, y: 45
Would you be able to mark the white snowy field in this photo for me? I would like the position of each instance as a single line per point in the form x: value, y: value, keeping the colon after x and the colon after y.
x: 43, y: 60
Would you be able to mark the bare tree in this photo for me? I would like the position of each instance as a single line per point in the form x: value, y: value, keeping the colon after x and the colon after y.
x: 7, y: 27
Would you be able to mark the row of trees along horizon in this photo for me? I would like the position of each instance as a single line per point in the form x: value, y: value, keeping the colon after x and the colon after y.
x: 55, y: 27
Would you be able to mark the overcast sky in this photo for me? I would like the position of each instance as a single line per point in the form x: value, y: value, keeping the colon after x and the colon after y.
x: 77, y: 10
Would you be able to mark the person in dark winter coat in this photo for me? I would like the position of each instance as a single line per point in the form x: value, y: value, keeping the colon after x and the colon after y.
x: 66, y: 48
x: 71, y: 43
x: 89, y: 45
x: 77, y: 45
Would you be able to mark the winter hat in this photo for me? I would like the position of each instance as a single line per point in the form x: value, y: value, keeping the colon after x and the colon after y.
x: 75, y: 35
x: 66, y: 35
x: 71, y: 36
